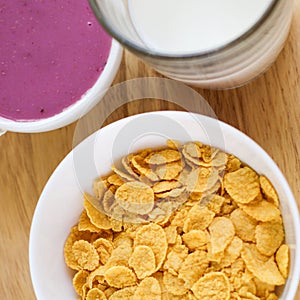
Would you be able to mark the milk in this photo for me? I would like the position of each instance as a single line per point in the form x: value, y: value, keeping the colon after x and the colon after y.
x: 191, y: 26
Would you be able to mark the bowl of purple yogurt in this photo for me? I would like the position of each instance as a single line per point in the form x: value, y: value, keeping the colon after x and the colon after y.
x: 56, y: 62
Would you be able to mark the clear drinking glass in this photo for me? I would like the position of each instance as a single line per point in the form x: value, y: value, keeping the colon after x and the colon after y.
x: 230, y: 65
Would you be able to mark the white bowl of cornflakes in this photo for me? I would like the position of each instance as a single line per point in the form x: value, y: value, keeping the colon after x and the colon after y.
x: 193, y: 210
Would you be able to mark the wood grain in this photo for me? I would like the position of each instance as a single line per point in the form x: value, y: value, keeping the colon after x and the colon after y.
x: 267, y: 109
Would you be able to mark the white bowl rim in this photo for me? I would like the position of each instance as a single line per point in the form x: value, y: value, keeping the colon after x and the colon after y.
x: 74, y: 111
x: 294, y: 281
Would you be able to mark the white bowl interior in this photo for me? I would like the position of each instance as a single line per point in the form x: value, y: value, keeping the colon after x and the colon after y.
x: 61, y: 201
x: 75, y: 111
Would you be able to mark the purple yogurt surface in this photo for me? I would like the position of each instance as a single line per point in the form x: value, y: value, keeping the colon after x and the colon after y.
x: 51, y: 53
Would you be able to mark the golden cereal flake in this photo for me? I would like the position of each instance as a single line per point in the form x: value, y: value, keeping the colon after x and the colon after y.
x: 282, y: 260
x: 237, y: 267
x: 153, y: 236
x: 212, y: 286
x: 175, y: 258
x: 263, y: 211
x: 124, y: 176
x: 198, y: 218
x: 149, y: 289
x: 232, y: 252
x: 127, y: 166
x: 163, y: 186
x: 202, y: 179
x: 261, y: 266
x: 75, y: 235
x: 214, y: 258
x: 109, y: 292
x: 244, y: 225
x: 213, y: 202
x: 115, y: 179
x: 120, y: 256
x: 272, y: 296
x: 262, y: 288
x: 159, y: 216
x: 171, y: 193
x: 192, y: 150
x: 228, y: 206
x: 85, y: 223
x: 101, y: 286
x: 219, y: 160
x: 269, y: 236
x: 135, y: 197
x: 123, y: 294
x: 233, y: 164
x: 268, y: 190
x: 193, y: 267
x: 85, y: 255
x: 98, y: 218
x: 95, y: 294
x: 169, y: 171
x: 195, y: 239
x: 221, y: 234
x: 245, y: 294
x: 242, y: 185
x: 173, y: 144
x: 142, y: 261
x: 174, y: 284
x: 143, y: 168
x: 164, y: 292
x: 171, y: 234
x: 99, y: 188
x: 108, y: 202
x: 244, y: 284
x: 123, y: 238
x: 120, y: 277
x: 79, y: 280
x: 104, y: 248
x: 116, y: 220
x: 96, y: 276
x: 208, y: 152
x: 163, y: 157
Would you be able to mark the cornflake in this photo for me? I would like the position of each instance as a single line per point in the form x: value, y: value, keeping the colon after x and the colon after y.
x: 120, y: 277
x: 282, y: 260
x: 244, y: 225
x: 261, y: 266
x: 212, y: 286
x: 135, y: 197
x: 193, y: 267
x: 95, y: 293
x: 268, y: 190
x: 175, y: 258
x: 195, y: 239
x: 262, y: 210
x: 79, y: 281
x: 182, y: 222
x: 174, y: 284
x: 85, y: 255
x: 198, y: 218
x: 269, y: 236
x: 153, y: 236
x: 242, y: 185
x: 142, y: 261
x: 221, y: 234
x: 123, y: 294
x: 148, y: 288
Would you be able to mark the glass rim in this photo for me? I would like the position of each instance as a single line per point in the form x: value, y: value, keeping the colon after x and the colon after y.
x: 159, y: 55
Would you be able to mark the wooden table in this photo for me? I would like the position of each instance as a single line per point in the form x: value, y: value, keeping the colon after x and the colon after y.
x: 267, y: 109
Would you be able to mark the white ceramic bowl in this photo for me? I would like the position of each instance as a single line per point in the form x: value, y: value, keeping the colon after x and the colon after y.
x: 75, y: 111
x: 61, y: 201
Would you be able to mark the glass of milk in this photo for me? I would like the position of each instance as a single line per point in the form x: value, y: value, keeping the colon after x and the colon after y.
x: 214, y: 44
